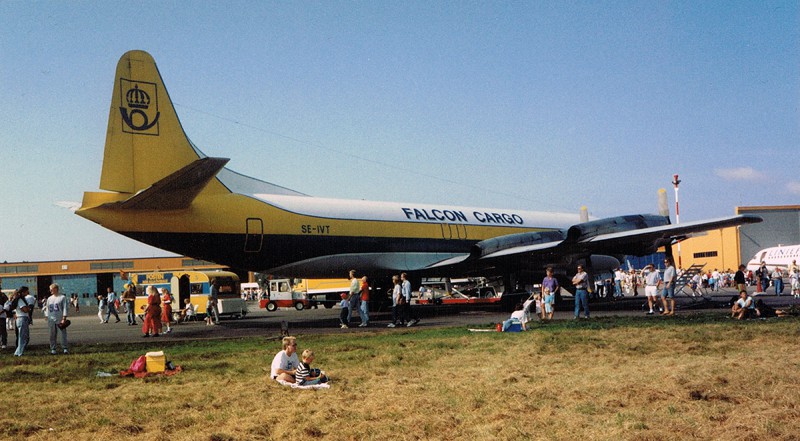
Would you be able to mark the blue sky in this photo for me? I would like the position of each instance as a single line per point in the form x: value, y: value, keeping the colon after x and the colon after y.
x: 528, y: 105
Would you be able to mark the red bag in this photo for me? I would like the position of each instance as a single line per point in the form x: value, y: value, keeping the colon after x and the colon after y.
x: 139, y: 365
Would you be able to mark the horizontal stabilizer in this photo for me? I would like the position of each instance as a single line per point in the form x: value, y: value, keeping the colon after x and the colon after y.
x: 178, y: 190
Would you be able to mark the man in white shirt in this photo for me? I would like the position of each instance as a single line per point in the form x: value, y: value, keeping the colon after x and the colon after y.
x: 56, y: 311
x: 284, y: 365
x: 22, y: 305
x: 744, y: 307
x: 618, y: 276
x: 651, y: 281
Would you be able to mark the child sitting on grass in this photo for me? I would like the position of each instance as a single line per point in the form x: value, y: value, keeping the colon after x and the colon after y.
x: 305, y: 375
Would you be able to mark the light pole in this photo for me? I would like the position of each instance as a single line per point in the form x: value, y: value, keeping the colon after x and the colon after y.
x: 675, y: 183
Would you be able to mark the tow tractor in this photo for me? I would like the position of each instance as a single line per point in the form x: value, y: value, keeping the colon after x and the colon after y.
x: 280, y: 294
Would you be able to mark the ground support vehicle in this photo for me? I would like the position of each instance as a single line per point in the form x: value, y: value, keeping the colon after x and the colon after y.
x: 279, y: 294
x: 194, y: 286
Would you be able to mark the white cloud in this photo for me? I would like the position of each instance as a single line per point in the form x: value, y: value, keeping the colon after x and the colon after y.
x: 793, y: 187
x: 739, y: 173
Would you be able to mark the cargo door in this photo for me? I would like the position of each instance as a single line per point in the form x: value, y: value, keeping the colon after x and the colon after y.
x: 254, y: 235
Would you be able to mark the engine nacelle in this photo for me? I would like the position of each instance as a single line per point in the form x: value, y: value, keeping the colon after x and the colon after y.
x: 495, y: 244
x: 586, y: 230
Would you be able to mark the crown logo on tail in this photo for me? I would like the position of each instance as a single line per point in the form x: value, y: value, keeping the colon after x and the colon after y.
x: 137, y: 99
x: 140, y: 115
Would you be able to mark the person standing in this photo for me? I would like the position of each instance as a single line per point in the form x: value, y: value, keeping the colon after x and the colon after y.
x: 363, y: 310
x: 651, y: 281
x: 668, y: 294
x: 355, y: 295
x: 549, y: 281
x: 22, y: 305
x: 618, y: 275
x: 213, y: 302
x: 56, y: 311
x: 5, y: 313
x: 101, y: 306
x: 762, y: 273
x: 345, y: 312
x: 152, y: 313
x: 408, y: 313
x: 717, y: 278
x: 777, y: 281
x: 581, y: 283
x: 166, y: 309
x: 739, y: 279
x: 635, y: 282
x: 111, y: 302
x: 129, y: 298
x: 396, y: 305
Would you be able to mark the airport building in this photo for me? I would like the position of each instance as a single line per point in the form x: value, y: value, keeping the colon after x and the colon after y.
x: 727, y: 248
x: 87, y: 278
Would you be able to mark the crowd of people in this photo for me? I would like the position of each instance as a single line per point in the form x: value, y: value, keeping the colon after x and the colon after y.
x: 18, y: 310
x: 659, y: 290
x: 627, y: 283
x: 157, y: 314
x: 17, y: 314
x: 357, y: 300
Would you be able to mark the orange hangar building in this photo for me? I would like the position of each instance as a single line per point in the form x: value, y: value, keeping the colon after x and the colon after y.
x: 87, y: 278
x: 727, y: 248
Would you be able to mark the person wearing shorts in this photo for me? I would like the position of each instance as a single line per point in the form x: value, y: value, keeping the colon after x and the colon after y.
x: 668, y: 294
x: 651, y: 281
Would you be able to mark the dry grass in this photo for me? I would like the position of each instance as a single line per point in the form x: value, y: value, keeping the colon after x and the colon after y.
x: 608, y: 379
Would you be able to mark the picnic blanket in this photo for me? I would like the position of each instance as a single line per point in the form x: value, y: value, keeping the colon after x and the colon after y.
x: 297, y: 386
x: 167, y: 372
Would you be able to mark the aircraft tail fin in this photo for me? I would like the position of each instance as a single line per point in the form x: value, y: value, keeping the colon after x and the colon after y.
x: 145, y: 141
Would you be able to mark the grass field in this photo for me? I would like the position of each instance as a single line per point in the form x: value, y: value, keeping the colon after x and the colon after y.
x: 690, y: 377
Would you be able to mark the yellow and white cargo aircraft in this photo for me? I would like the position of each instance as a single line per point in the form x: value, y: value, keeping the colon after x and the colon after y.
x: 162, y: 190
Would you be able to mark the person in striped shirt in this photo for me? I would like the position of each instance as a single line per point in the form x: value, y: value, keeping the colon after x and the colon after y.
x: 305, y: 375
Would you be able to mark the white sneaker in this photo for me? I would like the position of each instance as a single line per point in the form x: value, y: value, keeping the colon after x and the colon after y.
x: 391, y: 325
x: 345, y: 326
x: 363, y: 325
x: 410, y: 324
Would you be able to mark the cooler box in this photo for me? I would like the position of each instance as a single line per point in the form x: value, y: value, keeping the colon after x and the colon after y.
x: 156, y: 362
x: 515, y: 327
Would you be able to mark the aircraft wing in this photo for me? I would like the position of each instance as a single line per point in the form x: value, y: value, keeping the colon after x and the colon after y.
x: 626, y: 242
x: 625, y: 235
